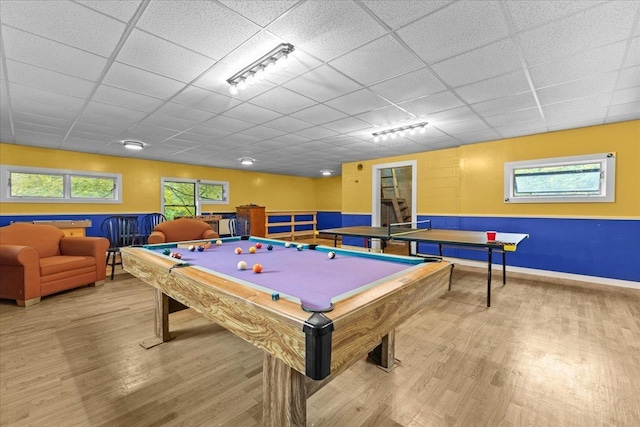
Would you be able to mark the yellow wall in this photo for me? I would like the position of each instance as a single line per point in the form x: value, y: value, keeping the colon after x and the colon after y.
x: 141, y: 183
x: 469, y: 180
x: 329, y: 194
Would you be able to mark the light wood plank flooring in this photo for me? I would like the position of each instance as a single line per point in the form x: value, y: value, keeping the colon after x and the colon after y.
x: 545, y: 354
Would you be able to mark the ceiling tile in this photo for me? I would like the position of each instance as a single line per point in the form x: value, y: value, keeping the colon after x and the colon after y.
x: 455, y: 29
x: 528, y: 14
x: 288, y: 124
x: 571, y: 108
x: 34, y: 127
x: 633, y: 57
x: 260, y: 12
x: 479, y: 64
x: 526, y: 115
x: 54, y: 104
x: 140, y: 81
x: 358, y: 102
x: 122, y: 10
x: 577, y: 88
x: 506, y: 105
x: 496, y: 87
x: 462, y: 127
x: 96, y: 129
x: 114, y: 112
x: 585, y: 64
x: 34, y: 50
x: 607, y: 23
x: 378, y: 60
x: 188, y: 114
x: 65, y: 22
x: 625, y: 96
x: 148, y: 134
x: 454, y: 115
x: 104, y: 121
x: 349, y: 124
x: 209, y: 132
x: 124, y: 98
x: 327, y: 29
x: 414, y: 84
x: 391, y: 115
x: 322, y: 84
x: 204, y: 27
x: 151, y: 53
x: 228, y: 124
x: 263, y: 132
x: 37, y: 139
x: 252, y: 113
x: 629, y: 77
x: 627, y: 111
x: 319, y: 114
x: 40, y: 78
x: 165, y: 122
x: 396, y: 13
x: 282, y: 100
x: 432, y: 104
x: 41, y: 120
x: 205, y: 100
x: 317, y: 132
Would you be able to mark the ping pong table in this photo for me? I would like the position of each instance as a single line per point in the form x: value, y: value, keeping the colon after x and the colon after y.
x: 505, y: 242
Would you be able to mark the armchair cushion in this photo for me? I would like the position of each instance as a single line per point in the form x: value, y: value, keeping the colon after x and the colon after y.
x: 182, y: 229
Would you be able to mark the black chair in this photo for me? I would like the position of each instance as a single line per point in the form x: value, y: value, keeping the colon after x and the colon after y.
x: 121, y: 231
x: 149, y: 222
x: 238, y: 226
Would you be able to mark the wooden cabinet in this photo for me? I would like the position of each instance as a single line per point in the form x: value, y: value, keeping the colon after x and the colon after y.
x: 255, y: 218
x: 69, y: 228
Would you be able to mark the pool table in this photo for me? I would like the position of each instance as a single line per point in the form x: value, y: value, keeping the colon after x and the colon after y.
x: 313, y: 314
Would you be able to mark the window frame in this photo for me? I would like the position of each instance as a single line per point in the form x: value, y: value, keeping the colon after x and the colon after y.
x: 198, y: 201
x: 67, y: 174
x: 607, y: 179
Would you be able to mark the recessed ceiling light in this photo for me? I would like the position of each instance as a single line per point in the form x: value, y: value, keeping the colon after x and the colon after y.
x: 247, y: 161
x: 326, y: 172
x: 133, y: 145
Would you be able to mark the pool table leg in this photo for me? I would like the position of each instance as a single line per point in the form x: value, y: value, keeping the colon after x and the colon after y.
x: 284, y: 394
x: 384, y: 353
x: 161, y: 320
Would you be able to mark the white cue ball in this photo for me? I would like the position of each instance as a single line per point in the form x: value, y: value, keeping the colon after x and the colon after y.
x: 287, y: 245
x: 331, y: 255
x: 242, y: 265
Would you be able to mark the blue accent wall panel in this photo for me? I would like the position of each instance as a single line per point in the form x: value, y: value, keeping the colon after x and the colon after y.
x: 328, y: 220
x: 607, y: 248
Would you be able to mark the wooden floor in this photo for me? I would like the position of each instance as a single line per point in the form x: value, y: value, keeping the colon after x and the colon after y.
x: 544, y: 354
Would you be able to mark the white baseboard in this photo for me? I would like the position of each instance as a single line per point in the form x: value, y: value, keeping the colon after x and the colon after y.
x: 497, y: 267
x: 548, y: 273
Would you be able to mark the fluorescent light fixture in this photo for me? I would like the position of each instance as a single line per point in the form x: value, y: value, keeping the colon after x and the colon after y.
x: 255, y: 70
x: 247, y: 161
x: 401, y: 131
x: 326, y: 172
x: 133, y: 145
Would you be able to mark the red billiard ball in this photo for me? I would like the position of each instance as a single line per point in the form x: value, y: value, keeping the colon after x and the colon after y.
x: 238, y: 250
x: 258, y: 245
x: 176, y: 255
x: 257, y: 268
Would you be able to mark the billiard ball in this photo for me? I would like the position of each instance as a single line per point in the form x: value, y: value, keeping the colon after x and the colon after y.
x: 238, y: 250
x: 176, y: 255
x: 192, y: 248
x: 299, y: 247
x: 287, y: 245
x: 257, y: 268
x: 252, y: 250
x: 200, y: 248
x: 218, y: 242
x: 166, y: 252
x: 275, y: 296
x: 269, y: 247
x: 331, y: 255
x: 242, y: 265
x: 258, y: 245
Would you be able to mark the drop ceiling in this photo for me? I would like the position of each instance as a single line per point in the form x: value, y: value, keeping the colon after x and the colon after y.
x: 85, y: 75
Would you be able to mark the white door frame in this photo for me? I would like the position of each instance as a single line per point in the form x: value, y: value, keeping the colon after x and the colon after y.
x: 376, y: 192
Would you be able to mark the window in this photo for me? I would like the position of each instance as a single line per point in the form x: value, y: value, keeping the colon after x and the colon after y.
x: 589, y: 178
x: 179, y: 196
x: 39, y: 185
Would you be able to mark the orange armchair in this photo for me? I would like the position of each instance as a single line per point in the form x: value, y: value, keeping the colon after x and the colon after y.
x: 38, y: 260
x: 180, y: 230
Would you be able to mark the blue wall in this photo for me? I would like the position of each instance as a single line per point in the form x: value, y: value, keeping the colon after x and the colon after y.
x: 592, y: 247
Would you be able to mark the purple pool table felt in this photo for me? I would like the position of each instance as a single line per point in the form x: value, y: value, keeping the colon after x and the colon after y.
x: 309, y: 275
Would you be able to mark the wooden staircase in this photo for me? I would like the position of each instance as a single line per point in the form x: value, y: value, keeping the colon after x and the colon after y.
x: 390, y: 196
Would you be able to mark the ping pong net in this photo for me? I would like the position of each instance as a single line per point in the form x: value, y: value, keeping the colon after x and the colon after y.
x: 402, y: 228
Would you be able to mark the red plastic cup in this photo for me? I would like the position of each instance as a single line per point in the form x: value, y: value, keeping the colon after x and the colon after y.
x: 491, y: 236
